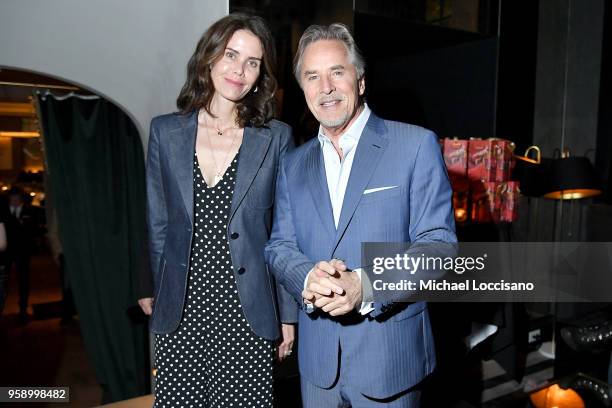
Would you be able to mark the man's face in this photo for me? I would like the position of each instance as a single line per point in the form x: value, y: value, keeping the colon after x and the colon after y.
x: 15, y: 200
x: 330, y: 84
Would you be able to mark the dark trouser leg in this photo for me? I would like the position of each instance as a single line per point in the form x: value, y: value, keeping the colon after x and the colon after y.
x: 22, y: 265
x: 4, y: 272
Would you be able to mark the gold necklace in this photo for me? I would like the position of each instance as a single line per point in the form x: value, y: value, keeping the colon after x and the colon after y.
x: 218, y: 174
x: 221, y: 131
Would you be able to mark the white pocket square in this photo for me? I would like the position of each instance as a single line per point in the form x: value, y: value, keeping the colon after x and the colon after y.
x: 377, y: 189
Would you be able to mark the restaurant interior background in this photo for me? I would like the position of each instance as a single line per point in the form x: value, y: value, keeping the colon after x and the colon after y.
x: 535, y: 72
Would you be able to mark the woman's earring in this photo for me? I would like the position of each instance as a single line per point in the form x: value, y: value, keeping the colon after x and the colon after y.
x: 256, y: 89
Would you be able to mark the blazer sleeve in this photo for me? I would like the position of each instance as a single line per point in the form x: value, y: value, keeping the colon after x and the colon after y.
x: 288, y: 308
x: 432, y: 224
x: 157, y: 216
x: 431, y: 212
x: 288, y: 264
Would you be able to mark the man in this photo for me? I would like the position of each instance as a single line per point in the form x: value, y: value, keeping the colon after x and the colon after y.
x: 20, y: 235
x: 363, y: 179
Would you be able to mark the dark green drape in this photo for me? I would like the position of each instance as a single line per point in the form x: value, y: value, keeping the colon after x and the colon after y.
x: 96, y: 174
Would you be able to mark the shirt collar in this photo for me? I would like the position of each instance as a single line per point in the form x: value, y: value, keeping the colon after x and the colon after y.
x: 351, y: 136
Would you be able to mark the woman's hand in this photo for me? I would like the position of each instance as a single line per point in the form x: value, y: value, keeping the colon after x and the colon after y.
x: 285, y: 348
x: 146, y: 304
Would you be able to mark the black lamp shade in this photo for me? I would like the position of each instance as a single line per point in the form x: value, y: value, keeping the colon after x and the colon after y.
x: 532, y: 176
x: 572, y: 178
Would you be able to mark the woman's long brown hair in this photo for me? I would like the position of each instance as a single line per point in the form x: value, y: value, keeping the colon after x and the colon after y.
x: 256, y: 108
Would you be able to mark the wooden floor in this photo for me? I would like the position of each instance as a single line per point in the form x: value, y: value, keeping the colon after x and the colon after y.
x: 43, y: 352
x: 140, y: 402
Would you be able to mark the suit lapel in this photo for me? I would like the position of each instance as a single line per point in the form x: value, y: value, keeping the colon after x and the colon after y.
x: 369, y: 150
x: 317, y: 183
x: 255, y: 144
x: 182, y: 150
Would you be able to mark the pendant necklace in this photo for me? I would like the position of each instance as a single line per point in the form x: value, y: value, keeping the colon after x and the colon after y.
x: 220, y: 132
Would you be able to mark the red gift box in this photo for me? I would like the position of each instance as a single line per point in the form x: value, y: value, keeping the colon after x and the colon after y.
x: 504, y: 159
x: 455, y: 158
x: 481, y: 160
x: 480, y: 206
x: 494, y: 199
x: 510, y: 198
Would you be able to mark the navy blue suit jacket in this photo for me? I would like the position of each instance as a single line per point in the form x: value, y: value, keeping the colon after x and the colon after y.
x: 170, y: 221
x: 392, y: 348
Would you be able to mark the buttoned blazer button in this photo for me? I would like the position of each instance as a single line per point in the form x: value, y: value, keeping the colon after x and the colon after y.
x: 234, y: 235
x: 241, y: 271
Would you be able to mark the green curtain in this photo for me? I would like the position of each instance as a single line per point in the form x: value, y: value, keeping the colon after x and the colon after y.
x: 96, y: 173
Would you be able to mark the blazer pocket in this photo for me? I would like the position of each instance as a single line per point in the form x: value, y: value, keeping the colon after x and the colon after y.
x: 381, y: 195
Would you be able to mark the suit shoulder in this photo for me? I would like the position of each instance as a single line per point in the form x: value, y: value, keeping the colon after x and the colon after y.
x: 402, y: 129
x: 295, y: 157
x: 279, y: 126
x: 280, y: 130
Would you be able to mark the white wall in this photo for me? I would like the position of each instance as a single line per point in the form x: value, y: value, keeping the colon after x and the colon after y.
x: 133, y: 53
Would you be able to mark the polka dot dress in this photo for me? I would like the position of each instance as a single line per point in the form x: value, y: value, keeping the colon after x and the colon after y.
x: 213, y: 359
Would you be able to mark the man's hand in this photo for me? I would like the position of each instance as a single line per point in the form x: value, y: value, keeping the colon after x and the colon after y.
x: 332, y: 288
x: 318, y: 284
x: 146, y: 304
x: 350, y: 300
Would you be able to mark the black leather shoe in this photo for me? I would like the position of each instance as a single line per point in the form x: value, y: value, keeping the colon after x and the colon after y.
x: 592, y: 390
x: 594, y: 338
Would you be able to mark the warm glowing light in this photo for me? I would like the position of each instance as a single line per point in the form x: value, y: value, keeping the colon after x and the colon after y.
x: 575, y: 194
x: 460, y: 214
x: 556, y: 397
x: 20, y: 134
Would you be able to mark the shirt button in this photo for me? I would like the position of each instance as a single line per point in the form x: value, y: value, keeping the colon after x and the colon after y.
x: 234, y: 235
x: 241, y: 271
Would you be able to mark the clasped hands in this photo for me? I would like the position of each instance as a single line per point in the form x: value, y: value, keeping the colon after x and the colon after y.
x: 332, y: 288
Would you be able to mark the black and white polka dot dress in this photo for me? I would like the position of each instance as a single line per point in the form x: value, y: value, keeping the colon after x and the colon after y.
x: 213, y: 359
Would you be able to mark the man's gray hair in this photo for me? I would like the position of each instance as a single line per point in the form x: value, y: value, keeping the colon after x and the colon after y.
x: 336, y: 31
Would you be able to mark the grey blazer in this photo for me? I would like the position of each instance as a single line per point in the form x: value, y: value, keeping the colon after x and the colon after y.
x: 170, y: 221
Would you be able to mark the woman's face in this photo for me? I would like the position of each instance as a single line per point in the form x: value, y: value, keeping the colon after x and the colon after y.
x: 237, y: 69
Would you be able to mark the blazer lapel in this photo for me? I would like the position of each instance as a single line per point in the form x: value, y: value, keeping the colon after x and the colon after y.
x: 317, y: 182
x: 182, y: 149
x: 369, y: 150
x: 255, y: 144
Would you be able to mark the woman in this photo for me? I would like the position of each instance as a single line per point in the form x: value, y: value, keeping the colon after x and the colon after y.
x: 211, y: 172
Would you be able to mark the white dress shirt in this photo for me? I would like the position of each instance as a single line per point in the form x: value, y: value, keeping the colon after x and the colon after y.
x: 16, y: 211
x: 338, y: 171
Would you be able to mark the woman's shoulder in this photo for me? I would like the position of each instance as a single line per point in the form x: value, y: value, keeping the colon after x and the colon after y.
x: 282, y: 133
x: 277, y: 125
x: 171, y: 120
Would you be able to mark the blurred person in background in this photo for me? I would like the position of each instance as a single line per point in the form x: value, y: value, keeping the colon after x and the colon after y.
x: 4, y: 271
x: 20, y: 229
